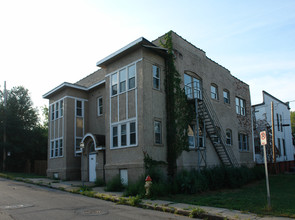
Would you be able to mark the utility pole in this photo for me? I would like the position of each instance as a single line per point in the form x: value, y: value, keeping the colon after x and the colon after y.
x: 4, y: 129
x: 273, y: 136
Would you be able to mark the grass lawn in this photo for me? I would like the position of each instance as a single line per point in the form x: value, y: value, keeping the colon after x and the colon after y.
x: 23, y: 175
x: 250, y: 198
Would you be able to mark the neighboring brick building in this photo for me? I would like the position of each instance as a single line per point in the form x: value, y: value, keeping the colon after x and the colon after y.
x: 119, y: 113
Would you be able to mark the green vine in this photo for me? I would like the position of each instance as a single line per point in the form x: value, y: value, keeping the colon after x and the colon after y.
x: 179, y: 112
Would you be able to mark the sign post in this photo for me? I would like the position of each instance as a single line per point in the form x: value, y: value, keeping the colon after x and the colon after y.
x: 263, y: 141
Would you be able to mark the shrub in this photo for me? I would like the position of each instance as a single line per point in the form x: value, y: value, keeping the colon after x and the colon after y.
x: 136, y: 188
x: 114, y: 185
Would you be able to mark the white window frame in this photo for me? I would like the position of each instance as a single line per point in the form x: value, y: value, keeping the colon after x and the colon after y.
x: 61, y: 108
x: 114, y: 84
x: 214, y: 91
x: 52, y: 112
x: 56, y: 110
x: 82, y: 108
x: 122, y: 80
x: 240, y: 106
x: 120, y: 134
x: 157, y: 133
x: 131, y: 77
x: 226, y: 96
x: 56, y: 146
x: 99, y: 106
x: 156, y: 71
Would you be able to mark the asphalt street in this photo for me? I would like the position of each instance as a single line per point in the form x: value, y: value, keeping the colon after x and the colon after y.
x: 22, y: 201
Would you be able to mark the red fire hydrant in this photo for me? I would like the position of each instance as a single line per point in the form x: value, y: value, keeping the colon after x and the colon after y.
x: 147, y: 186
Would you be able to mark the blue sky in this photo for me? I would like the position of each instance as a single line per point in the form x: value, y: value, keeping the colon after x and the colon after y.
x: 44, y: 43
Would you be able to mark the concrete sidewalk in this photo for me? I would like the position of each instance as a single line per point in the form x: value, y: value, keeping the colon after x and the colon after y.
x: 167, y: 206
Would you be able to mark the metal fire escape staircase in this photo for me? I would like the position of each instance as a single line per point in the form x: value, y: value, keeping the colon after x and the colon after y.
x: 205, y: 112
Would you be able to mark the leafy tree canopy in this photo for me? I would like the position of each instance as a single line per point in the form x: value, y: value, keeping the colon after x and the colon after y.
x: 25, y: 138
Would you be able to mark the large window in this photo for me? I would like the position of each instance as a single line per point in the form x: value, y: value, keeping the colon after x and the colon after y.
x: 240, y: 106
x: 214, y: 92
x: 192, y: 87
x: 57, y: 110
x: 99, y: 106
x: 158, y: 132
x: 124, y: 83
x: 228, y: 137
x: 226, y: 98
x: 156, y: 77
x: 243, y: 142
x: 123, y: 135
x: 56, y: 148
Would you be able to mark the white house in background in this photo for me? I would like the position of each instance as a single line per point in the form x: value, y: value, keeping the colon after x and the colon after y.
x: 282, y: 122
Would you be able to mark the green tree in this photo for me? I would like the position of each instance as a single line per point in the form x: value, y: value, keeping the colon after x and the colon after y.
x: 25, y: 138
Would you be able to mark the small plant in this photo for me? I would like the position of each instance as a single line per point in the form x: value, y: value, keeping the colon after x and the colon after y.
x: 134, y: 201
x: 85, y: 188
x: 196, y: 212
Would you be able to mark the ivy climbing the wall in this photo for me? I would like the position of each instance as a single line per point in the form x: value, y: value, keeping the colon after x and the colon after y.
x: 179, y: 112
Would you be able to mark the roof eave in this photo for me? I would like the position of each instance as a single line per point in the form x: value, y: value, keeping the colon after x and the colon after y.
x: 70, y: 85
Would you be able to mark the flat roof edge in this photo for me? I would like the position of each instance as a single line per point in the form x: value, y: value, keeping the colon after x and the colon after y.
x: 119, y: 51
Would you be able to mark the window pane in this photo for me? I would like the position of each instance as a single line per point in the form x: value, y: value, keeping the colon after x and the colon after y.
x: 156, y: 83
x: 131, y: 71
x: 226, y: 96
x: 122, y: 86
x: 115, y: 136
x: 122, y: 80
x: 156, y: 71
x: 79, y: 108
x: 213, y: 92
x: 157, y: 131
x: 132, y: 133
x: 78, y: 141
x: 99, y: 106
x: 114, y: 79
x: 79, y: 104
x: 131, y: 77
x: 60, y: 148
x: 61, y: 108
x: 56, y: 149
x: 123, y: 135
x: 188, y: 85
x: 131, y: 83
x: 52, y: 112
x: 52, y: 149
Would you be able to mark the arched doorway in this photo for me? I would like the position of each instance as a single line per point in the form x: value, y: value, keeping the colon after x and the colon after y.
x: 89, y: 160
